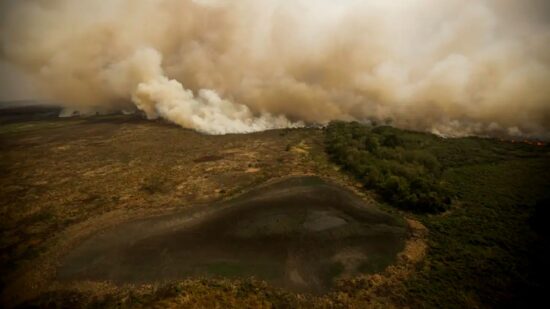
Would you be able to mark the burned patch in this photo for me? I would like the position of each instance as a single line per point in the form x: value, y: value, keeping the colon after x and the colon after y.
x: 301, y: 233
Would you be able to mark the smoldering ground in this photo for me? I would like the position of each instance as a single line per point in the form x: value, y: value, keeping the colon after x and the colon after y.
x: 451, y: 67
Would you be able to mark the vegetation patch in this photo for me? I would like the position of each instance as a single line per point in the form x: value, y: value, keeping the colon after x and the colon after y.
x: 398, y: 166
x: 488, y: 251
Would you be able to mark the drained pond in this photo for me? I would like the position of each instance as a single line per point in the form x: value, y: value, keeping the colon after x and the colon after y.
x: 300, y: 233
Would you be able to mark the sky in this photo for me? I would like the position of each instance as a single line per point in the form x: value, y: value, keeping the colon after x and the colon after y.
x: 449, y: 67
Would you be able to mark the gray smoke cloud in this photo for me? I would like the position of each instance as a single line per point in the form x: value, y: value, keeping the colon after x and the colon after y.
x: 451, y: 67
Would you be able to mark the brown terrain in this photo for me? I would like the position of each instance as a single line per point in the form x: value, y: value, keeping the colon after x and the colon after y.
x: 64, y: 179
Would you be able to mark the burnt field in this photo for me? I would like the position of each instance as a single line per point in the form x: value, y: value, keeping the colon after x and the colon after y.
x: 298, y: 233
x: 64, y: 181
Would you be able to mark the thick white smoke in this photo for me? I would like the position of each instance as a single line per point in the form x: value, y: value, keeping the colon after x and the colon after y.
x: 452, y: 67
x: 142, y: 76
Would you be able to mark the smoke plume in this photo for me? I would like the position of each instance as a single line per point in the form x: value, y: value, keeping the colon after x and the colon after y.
x: 451, y: 67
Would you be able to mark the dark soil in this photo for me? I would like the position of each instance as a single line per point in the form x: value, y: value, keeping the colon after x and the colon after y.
x: 300, y: 233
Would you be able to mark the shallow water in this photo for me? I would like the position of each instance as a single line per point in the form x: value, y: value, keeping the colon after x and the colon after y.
x: 300, y: 233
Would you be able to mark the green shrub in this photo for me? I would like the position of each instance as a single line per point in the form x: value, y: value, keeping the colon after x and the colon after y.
x: 391, y: 162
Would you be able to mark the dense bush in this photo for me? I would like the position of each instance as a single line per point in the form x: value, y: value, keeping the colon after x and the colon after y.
x: 385, y: 159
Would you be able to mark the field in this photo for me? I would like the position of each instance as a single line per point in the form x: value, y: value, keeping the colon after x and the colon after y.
x: 65, y: 179
x: 483, y: 248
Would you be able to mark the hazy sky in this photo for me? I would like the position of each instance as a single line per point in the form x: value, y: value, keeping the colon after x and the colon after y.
x: 451, y: 67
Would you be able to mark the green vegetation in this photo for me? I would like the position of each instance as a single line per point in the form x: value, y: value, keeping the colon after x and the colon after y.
x: 398, y: 166
x: 489, y: 249
x: 485, y: 252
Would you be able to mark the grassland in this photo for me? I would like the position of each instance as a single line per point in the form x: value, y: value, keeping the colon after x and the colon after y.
x: 63, y: 179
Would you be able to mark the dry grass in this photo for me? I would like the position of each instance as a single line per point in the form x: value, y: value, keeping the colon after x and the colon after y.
x: 62, y: 182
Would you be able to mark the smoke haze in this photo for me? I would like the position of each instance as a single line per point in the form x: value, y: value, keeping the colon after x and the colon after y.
x: 453, y: 67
